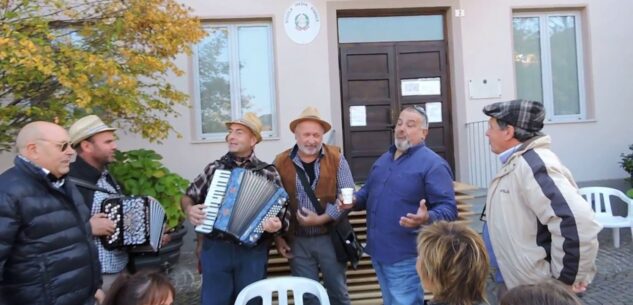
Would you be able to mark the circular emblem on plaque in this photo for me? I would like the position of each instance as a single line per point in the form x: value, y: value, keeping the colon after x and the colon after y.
x: 302, y: 22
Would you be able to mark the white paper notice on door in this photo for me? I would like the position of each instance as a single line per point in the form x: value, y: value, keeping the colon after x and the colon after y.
x: 434, y: 112
x: 421, y: 86
x: 357, y: 116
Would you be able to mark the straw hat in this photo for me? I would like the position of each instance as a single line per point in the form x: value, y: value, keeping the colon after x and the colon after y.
x: 252, y: 122
x: 85, y: 128
x: 310, y: 113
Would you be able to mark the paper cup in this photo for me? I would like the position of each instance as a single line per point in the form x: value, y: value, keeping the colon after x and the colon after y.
x: 348, y: 195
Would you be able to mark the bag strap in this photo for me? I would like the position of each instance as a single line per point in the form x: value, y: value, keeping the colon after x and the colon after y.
x: 308, y: 189
x: 87, y: 185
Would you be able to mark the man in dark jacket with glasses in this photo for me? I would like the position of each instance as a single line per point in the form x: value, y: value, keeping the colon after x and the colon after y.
x: 46, y: 251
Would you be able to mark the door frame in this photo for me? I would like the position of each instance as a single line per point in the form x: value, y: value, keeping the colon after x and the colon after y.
x: 384, y: 12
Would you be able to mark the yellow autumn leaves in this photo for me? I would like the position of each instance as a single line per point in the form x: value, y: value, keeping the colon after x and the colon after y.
x: 60, y: 59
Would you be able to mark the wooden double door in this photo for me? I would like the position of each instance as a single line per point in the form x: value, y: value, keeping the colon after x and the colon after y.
x: 372, y: 79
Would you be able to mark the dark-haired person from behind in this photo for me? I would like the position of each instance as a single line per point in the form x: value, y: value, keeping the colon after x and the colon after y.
x: 146, y: 287
x: 452, y: 264
x: 548, y: 292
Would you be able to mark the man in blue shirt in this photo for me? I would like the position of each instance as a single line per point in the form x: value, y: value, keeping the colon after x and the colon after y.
x: 408, y: 186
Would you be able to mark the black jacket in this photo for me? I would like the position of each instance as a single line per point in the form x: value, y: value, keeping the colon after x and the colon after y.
x: 80, y: 169
x: 47, y: 255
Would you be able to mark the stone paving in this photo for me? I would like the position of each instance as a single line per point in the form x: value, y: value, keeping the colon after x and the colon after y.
x: 613, y: 285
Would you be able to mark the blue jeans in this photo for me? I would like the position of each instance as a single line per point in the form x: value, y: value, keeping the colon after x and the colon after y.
x: 399, y: 282
x: 227, y: 268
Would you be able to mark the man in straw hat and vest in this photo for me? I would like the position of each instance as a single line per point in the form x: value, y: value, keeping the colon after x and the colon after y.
x: 95, y: 144
x: 307, y: 243
x: 407, y: 187
x: 537, y: 226
x: 228, y: 267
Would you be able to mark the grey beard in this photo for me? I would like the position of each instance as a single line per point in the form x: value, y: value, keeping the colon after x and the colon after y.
x: 402, y: 145
x: 303, y: 149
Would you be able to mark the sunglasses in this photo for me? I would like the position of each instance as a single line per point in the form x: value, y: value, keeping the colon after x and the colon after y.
x: 62, y: 146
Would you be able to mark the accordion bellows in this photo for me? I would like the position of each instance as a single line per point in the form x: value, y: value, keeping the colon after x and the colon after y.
x: 138, y: 221
x: 238, y: 202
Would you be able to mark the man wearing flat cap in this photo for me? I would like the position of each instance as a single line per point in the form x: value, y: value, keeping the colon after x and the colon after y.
x: 324, y: 172
x: 228, y: 267
x: 95, y: 144
x: 537, y: 226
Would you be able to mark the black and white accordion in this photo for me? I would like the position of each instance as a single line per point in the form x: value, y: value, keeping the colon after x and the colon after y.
x: 139, y: 223
x: 238, y: 202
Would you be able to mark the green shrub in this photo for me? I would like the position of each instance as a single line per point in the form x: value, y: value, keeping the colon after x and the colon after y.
x: 141, y: 173
x: 627, y: 163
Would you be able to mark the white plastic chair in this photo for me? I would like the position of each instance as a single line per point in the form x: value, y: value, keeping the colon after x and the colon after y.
x: 600, y: 199
x: 298, y: 285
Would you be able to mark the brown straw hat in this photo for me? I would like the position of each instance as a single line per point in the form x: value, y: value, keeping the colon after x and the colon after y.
x: 310, y: 113
x: 252, y: 122
x: 85, y: 128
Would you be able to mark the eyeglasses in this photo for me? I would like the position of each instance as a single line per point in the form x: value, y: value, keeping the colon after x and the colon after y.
x: 62, y: 146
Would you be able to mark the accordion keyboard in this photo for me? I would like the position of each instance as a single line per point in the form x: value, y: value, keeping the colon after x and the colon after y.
x: 214, y: 198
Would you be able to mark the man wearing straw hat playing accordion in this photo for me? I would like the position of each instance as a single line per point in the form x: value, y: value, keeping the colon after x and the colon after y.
x: 227, y: 266
x: 95, y: 144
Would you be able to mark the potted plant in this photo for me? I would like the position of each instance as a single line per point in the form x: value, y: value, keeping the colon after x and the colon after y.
x: 627, y: 165
x: 140, y: 173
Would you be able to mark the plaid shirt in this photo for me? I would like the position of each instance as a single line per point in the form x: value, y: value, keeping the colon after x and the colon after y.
x: 112, y: 261
x: 198, y: 189
x: 343, y: 179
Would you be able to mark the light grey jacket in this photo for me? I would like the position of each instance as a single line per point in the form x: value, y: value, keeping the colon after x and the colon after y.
x: 540, y: 227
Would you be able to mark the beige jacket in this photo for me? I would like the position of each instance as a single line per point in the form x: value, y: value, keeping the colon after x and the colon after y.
x: 540, y: 227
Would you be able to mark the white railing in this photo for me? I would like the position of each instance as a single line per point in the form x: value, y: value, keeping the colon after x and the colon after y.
x: 482, y: 163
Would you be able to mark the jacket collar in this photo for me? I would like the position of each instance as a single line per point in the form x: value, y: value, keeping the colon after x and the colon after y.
x: 543, y: 141
x: 81, y: 168
x: 39, y: 174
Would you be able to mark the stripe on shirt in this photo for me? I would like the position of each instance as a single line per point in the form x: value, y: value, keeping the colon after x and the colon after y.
x: 568, y: 229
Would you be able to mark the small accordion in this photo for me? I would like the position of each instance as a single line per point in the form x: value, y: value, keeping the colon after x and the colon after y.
x: 238, y: 202
x: 139, y: 223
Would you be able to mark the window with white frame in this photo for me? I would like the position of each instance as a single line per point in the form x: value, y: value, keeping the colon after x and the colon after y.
x: 548, y: 61
x: 233, y: 73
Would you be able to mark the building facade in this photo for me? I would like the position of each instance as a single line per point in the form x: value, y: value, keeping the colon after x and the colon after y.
x: 360, y: 61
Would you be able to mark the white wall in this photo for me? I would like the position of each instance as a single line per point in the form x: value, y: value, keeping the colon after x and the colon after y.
x: 480, y: 46
x: 590, y: 149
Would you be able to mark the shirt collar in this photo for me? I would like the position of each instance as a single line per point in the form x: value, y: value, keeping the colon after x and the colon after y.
x: 505, y: 156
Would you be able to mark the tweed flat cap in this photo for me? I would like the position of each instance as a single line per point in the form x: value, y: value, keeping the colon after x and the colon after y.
x: 524, y: 114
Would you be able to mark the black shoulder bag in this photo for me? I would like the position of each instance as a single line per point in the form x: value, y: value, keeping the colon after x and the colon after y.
x: 346, y: 244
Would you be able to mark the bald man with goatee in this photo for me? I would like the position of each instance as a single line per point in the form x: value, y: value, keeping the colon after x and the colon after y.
x: 46, y: 251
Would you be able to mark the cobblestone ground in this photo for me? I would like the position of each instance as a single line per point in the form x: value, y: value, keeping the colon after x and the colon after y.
x: 613, y: 285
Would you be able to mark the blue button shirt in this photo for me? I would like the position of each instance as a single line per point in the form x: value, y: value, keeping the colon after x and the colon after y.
x: 395, y: 188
